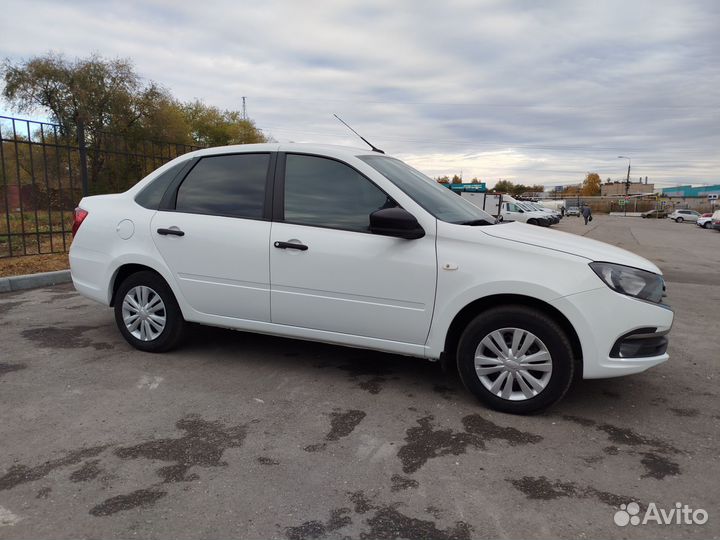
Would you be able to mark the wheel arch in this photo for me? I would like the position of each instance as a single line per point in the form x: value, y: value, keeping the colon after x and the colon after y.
x: 127, y: 269
x: 474, y: 308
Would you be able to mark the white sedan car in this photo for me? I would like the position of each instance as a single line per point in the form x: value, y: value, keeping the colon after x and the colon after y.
x: 354, y: 247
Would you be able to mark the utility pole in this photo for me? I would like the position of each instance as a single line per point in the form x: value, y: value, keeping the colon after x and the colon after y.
x: 627, y: 182
x: 244, y: 110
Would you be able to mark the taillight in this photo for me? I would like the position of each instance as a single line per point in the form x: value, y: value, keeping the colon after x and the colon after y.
x: 78, y: 217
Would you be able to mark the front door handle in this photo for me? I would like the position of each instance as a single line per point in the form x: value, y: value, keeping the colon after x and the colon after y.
x: 174, y: 232
x: 290, y: 245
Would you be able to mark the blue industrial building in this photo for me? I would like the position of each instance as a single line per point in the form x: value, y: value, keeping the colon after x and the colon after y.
x: 690, y: 191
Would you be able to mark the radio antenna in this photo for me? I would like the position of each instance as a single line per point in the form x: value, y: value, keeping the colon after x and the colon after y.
x: 374, y: 149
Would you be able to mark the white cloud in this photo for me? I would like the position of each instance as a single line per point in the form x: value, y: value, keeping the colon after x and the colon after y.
x: 537, y: 92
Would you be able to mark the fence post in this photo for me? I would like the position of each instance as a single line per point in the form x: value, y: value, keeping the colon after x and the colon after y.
x: 83, y: 157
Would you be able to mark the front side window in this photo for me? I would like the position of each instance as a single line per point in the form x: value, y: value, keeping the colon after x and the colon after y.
x: 439, y: 201
x: 327, y: 193
x: 230, y: 185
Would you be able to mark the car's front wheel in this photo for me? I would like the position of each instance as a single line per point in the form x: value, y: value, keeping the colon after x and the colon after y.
x: 147, y: 313
x: 706, y: 225
x: 515, y: 359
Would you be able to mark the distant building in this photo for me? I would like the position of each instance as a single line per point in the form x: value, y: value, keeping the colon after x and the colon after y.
x: 689, y: 191
x: 617, y: 189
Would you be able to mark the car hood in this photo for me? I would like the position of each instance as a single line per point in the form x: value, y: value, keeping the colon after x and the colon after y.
x: 574, y: 244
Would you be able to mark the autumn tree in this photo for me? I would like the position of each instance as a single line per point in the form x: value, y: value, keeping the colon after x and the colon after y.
x: 120, y: 111
x: 456, y: 179
x: 591, y: 185
x: 443, y: 179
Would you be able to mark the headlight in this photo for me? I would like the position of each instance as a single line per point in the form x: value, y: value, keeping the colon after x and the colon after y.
x: 631, y: 281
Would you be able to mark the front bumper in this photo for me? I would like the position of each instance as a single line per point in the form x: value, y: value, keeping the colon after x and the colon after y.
x: 605, y: 321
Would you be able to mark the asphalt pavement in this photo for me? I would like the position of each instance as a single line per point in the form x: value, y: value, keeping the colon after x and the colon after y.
x: 238, y: 435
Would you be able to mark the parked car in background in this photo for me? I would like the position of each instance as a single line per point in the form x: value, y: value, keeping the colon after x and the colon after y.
x: 514, y: 210
x: 716, y: 220
x: 554, y: 215
x: 684, y: 215
x: 572, y: 211
x: 704, y: 221
x: 658, y: 214
x: 353, y: 247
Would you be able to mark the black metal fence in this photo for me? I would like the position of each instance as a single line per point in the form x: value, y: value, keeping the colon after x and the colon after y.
x: 45, y: 169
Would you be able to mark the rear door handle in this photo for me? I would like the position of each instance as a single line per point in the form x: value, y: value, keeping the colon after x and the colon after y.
x: 174, y: 232
x: 290, y: 245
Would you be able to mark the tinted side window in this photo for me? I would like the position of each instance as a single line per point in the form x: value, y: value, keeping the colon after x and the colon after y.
x: 152, y: 194
x: 232, y: 185
x: 327, y: 193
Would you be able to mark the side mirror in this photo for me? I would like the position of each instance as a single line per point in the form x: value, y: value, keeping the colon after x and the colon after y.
x: 396, y: 222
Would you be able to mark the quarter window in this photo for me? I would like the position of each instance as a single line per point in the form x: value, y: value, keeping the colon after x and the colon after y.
x: 229, y: 185
x: 327, y: 193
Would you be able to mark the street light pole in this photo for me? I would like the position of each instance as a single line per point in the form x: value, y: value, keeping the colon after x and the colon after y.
x: 627, y: 182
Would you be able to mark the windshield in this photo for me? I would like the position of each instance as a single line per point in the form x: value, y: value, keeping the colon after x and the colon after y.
x: 526, y: 207
x: 436, y: 199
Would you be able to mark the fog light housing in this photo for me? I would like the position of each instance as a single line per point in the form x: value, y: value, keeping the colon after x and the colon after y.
x: 641, y: 343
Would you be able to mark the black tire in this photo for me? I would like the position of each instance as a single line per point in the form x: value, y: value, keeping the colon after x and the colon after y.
x: 706, y: 225
x: 172, y: 333
x: 531, y: 320
x: 679, y: 220
x: 532, y: 222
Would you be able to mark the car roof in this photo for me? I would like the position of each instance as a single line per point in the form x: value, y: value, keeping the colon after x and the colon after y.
x: 329, y: 150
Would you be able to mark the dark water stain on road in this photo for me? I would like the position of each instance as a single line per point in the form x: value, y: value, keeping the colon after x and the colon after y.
x: 21, y: 474
x: 541, y: 488
x: 369, y: 374
x: 658, y: 467
x: 685, y: 413
x: 400, y: 483
x: 487, y: 430
x: 342, y: 424
x: 5, y: 307
x: 141, y: 498
x: 9, y: 368
x: 629, y: 437
x: 88, y: 471
x: 317, y: 529
x: 380, y: 522
x: 424, y: 442
x: 59, y: 337
x: 202, y: 445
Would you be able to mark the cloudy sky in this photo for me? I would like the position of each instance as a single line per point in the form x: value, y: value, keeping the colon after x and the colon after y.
x: 529, y: 91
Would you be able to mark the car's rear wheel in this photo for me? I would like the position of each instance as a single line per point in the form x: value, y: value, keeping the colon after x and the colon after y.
x: 147, y: 313
x: 515, y: 359
x: 679, y: 220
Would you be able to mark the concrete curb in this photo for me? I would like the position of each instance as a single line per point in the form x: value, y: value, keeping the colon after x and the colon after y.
x: 32, y: 281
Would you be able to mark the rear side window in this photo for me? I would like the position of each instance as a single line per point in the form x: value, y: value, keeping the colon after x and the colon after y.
x: 230, y: 185
x: 326, y: 193
x: 152, y: 194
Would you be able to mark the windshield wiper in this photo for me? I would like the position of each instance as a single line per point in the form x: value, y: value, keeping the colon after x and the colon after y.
x: 477, y: 222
